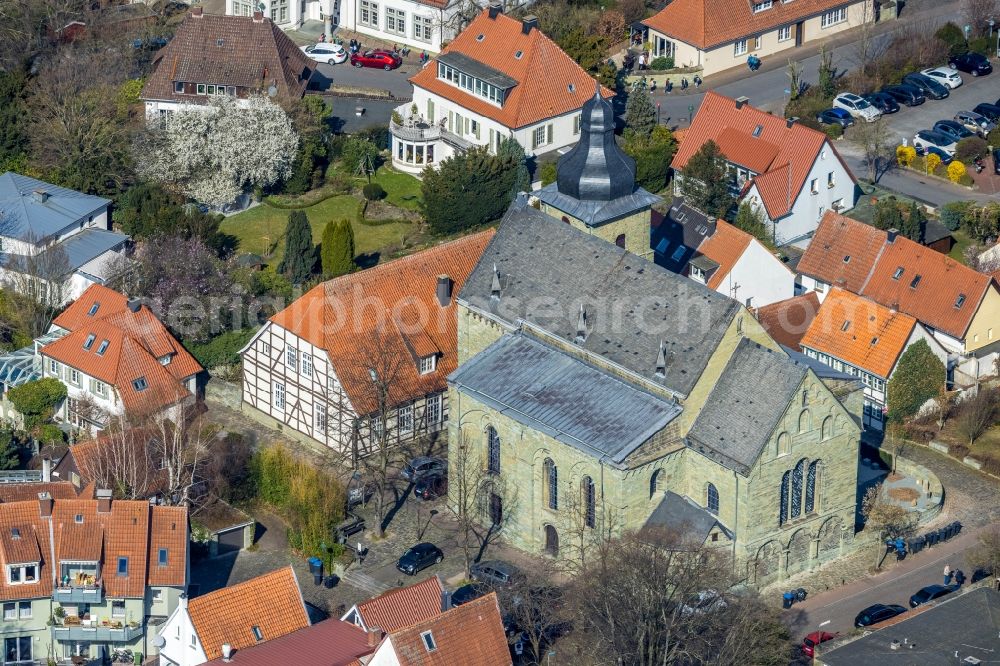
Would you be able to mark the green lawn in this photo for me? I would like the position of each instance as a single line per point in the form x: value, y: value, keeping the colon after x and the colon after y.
x: 962, y: 241
x: 403, y: 190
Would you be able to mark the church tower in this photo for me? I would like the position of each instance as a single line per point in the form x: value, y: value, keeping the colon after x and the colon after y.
x: 595, y: 189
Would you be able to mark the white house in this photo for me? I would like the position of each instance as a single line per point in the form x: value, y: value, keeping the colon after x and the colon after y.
x: 55, y: 242
x: 792, y: 174
x: 499, y: 78
x: 286, y: 14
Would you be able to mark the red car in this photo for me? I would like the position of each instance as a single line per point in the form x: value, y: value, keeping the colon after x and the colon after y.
x: 810, y: 642
x: 385, y: 59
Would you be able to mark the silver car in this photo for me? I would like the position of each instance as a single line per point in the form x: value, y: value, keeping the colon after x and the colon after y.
x: 975, y: 122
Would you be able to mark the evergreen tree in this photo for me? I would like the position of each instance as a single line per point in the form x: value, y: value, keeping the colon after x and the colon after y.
x: 706, y: 184
x: 827, y: 72
x: 888, y: 215
x: 512, y: 152
x: 337, y: 249
x: 640, y: 113
x: 749, y: 219
x: 916, y: 223
x: 466, y: 191
x: 919, y: 376
x: 652, y: 156
x: 9, y: 457
x: 300, y: 256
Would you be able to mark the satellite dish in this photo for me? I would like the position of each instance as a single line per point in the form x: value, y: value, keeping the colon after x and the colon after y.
x: 159, y: 641
x: 272, y: 90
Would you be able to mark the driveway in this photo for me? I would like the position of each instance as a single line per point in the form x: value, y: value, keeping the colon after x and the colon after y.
x: 395, y: 81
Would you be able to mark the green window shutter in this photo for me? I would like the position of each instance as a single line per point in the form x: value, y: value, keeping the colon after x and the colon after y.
x: 534, y: 139
x: 430, y: 110
x: 548, y: 133
x: 479, y: 127
x: 451, y: 122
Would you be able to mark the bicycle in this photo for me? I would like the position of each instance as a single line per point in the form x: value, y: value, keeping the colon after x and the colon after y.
x: 122, y: 656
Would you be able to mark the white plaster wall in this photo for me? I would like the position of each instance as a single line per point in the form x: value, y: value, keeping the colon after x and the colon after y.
x: 759, y: 275
x: 177, y: 632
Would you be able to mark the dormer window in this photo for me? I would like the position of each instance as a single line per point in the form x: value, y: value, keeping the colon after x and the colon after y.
x: 20, y: 574
x: 140, y: 384
x: 89, y: 342
x: 697, y: 274
x: 428, y: 364
x: 165, y: 359
x: 761, y: 6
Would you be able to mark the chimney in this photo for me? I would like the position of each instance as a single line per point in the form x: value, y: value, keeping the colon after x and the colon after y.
x: 374, y: 637
x: 661, y: 361
x: 740, y: 101
x: 46, y: 469
x: 45, y: 505
x: 791, y: 121
x: 528, y: 22
x: 891, y: 235
x: 581, y: 326
x: 104, y: 501
x: 258, y: 17
x: 197, y: 12
x: 227, y: 649
x: 495, y: 284
x: 496, y: 9
x: 40, y: 195
x: 134, y: 304
x: 444, y: 290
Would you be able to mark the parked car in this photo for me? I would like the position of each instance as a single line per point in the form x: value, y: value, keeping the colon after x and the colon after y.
x: 929, y: 86
x: 358, y: 493
x: 991, y: 111
x: 328, y: 52
x: 925, y: 138
x: 431, y: 486
x: 946, y: 76
x: 494, y: 572
x: 877, y: 613
x: 705, y: 601
x: 810, y: 642
x: 856, y: 106
x: 422, y: 466
x: 418, y: 558
x: 975, y: 122
x: 467, y: 593
x: 835, y: 117
x: 349, y: 526
x: 996, y: 170
x: 377, y: 58
x: 946, y: 158
x: 929, y: 593
x: 884, y: 102
x: 906, y: 94
x: 973, y: 63
x: 952, y: 129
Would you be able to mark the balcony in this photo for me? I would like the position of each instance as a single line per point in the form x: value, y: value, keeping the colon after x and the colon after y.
x: 78, y: 594
x: 417, y: 144
x: 125, y: 634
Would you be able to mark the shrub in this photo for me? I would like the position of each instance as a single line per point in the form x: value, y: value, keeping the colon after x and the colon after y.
x: 905, y: 155
x: 993, y: 138
x: 966, y: 180
x: 932, y: 162
x: 958, y: 451
x: 339, y: 182
x: 373, y: 192
x: 955, y: 171
x: 377, y: 134
x: 969, y: 149
x: 982, y: 46
x: 662, y: 63
x: 222, y: 349
x: 953, y: 37
x: 991, y: 465
x: 547, y: 173
x: 952, y: 213
x: 834, y: 131
x: 37, y: 400
x: 919, y: 376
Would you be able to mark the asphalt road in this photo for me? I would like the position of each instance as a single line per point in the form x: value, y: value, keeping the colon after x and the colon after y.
x: 395, y: 81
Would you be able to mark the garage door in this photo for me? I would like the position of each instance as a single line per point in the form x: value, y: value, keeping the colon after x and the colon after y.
x: 231, y: 541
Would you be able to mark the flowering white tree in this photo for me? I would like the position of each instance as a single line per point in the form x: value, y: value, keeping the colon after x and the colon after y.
x: 215, y: 153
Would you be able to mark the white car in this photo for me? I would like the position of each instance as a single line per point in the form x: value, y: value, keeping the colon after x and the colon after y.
x: 925, y: 139
x: 326, y: 52
x: 946, y: 76
x: 857, y: 107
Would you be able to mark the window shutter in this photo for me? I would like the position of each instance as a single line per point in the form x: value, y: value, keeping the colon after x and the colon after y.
x: 451, y: 121
x: 548, y: 133
x: 479, y: 127
x: 430, y: 110
x: 491, y: 138
x: 534, y: 139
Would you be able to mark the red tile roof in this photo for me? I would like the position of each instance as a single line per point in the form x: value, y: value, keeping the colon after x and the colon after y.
x: 271, y: 602
x: 136, y: 340
x: 402, y: 607
x: 388, y: 312
x: 690, y: 21
x: 327, y: 643
x: 469, y: 635
x: 549, y: 82
x: 945, y: 297
x: 724, y: 247
x: 20, y: 492
x: 860, y: 332
x: 101, y: 459
x: 782, y: 156
x: 788, y: 320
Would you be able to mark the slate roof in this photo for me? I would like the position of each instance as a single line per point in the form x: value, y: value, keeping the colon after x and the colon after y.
x: 401, y: 607
x: 682, y: 515
x: 821, y: 370
x: 966, y: 623
x: 272, y: 602
x: 89, y: 244
x: 596, y: 213
x: 327, y: 643
x: 26, y: 217
x: 746, y: 405
x: 788, y: 320
x: 570, y: 400
x: 549, y: 82
x: 684, y: 226
x: 251, y: 54
x: 547, y: 270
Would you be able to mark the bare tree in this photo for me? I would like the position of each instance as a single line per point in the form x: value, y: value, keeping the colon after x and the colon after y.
x: 178, y: 448
x: 868, y: 47
x: 985, y: 555
x: 40, y: 276
x: 118, y: 459
x: 535, y: 610
x: 885, y: 520
x: 587, y: 526
x: 878, y: 143
x: 978, y: 13
x: 977, y: 414
x: 794, y: 73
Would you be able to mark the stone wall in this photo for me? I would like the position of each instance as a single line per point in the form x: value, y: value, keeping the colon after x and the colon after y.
x: 635, y: 227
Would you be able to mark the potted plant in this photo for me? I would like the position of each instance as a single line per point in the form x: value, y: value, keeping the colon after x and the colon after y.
x: 133, y: 624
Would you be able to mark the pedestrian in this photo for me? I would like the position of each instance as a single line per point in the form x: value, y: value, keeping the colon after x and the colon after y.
x: 670, y: 86
x: 684, y: 83
x: 697, y: 81
x: 947, y: 574
x: 322, y: 38
x: 642, y: 61
x: 960, y: 577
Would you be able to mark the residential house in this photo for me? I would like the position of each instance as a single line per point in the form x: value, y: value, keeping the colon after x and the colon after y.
x: 595, y: 382
x: 399, y: 608
x: 213, y: 55
x: 365, y: 355
x: 857, y: 336
x: 286, y: 14
x: 83, y: 576
x: 791, y: 174
x: 55, y: 242
x: 116, y: 358
x: 721, y: 36
x: 234, y: 618
x: 788, y: 320
x: 958, y: 306
x: 470, y: 634
x: 326, y: 643
x: 501, y: 77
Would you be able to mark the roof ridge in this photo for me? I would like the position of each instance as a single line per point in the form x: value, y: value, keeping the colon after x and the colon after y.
x: 409, y: 588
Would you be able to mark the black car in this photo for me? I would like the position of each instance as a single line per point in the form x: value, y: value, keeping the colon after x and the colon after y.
x: 996, y: 170
x: 906, y: 95
x: 431, y: 487
x: 973, y: 63
x: 877, y: 613
x: 493, y: 572
x: 419, y: 557
x: 835, y: 117
x: 929, y: 593
x: 991, y: 111
x: 884, y: 102
x: 352, y: 524
x: 421, y: 466
x: 467, y: 593
x: 929, y: 86
x: 952, y: 129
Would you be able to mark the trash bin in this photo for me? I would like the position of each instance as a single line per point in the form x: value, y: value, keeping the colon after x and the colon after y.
x: 315, y: 565
x: 800, y: 594
x: 318, y: 579
x: 137, y: 658
x: 932, y: 538
x: 787, y: 599
x: 958, y: 527
x: 330, y: 581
